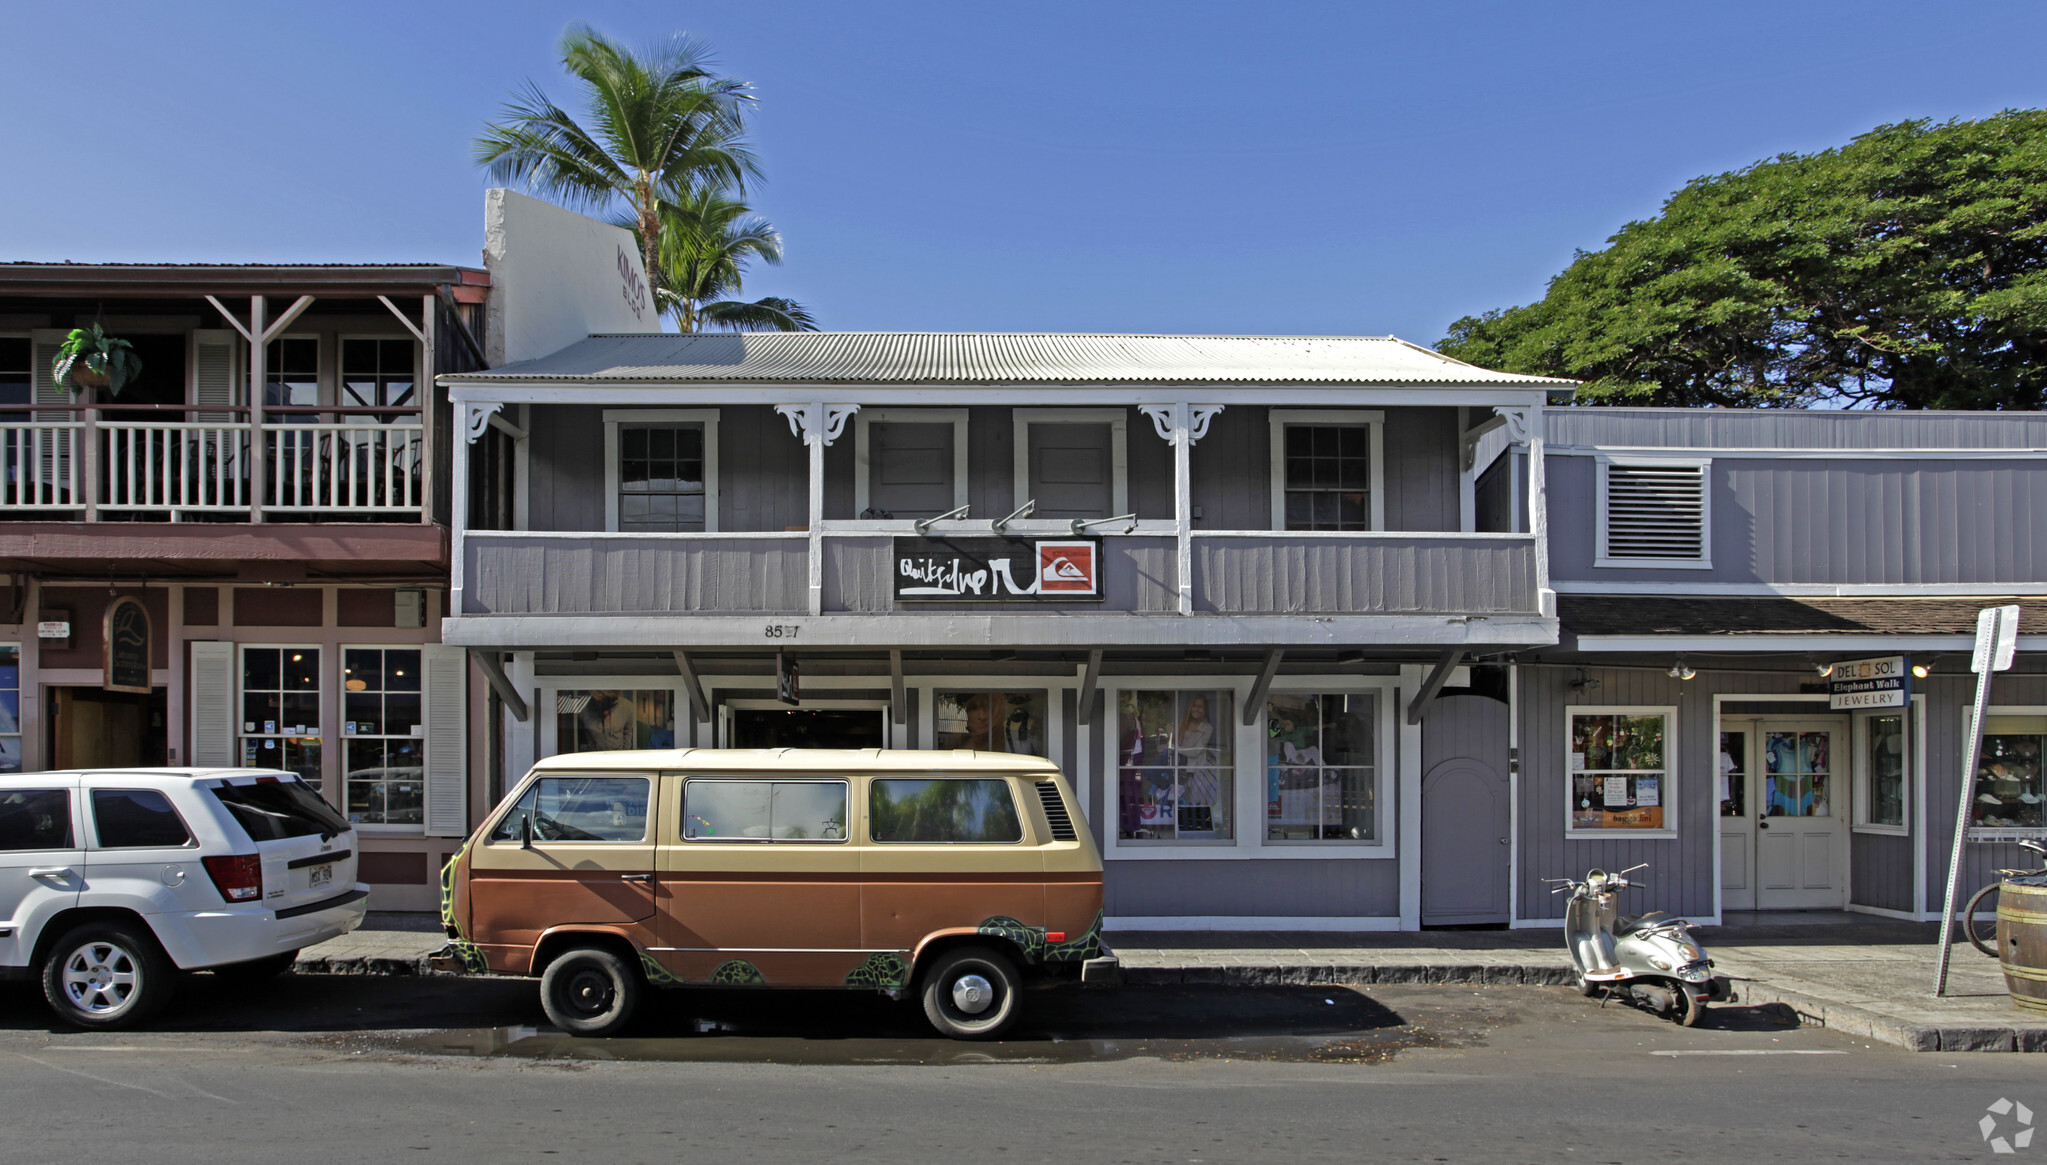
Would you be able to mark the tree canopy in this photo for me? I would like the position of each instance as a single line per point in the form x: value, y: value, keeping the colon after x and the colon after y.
x: 1906, y: 269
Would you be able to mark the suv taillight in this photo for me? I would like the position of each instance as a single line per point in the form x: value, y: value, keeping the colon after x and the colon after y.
x: 239, y: 877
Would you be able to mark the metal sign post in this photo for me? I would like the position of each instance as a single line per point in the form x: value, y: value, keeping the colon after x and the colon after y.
x: 1997, y: 639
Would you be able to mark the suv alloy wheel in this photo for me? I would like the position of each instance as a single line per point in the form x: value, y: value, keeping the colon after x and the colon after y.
x: 106, y: 975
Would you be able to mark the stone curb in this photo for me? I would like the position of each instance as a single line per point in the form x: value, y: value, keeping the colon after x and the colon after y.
x: 402, y: 967
x: 1330, y: 974
x: 1869, y: 1023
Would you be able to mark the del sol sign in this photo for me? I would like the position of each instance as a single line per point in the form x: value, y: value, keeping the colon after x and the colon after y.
x: 1883, y: 682
x: 956, y: 569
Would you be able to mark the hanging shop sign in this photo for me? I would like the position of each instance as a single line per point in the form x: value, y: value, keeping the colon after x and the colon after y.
x: 997, y: 568
x: 126, y: 632
x: 788, y: 679
x: 1884, y: 682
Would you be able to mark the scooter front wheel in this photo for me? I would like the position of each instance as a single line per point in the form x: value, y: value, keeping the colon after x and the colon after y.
x: 1587, y: 987
x: 1694, y: 1003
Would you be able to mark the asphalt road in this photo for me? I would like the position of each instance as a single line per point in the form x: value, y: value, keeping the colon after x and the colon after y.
x: 324, y: 1068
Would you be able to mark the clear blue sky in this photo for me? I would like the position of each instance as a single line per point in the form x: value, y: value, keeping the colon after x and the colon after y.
x: 1178, y: 167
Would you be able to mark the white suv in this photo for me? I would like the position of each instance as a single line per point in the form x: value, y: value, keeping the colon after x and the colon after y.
x: 114, y: 880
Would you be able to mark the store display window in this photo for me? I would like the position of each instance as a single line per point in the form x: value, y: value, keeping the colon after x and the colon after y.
x: 383, y: 736
x: 1885, y: 765
x: 1618, y: 769
x: 281, y: 710
x: 990, y: 721
x: 10, y: 708
x: 1321, y: 775
x: 1175, y: 765
x: 604, y: 719
x: 2008, y: 787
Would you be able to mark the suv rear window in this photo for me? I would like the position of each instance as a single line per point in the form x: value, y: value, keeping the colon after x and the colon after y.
x: 275, y: 810
x: 135, y: 818
x: 35, y: 819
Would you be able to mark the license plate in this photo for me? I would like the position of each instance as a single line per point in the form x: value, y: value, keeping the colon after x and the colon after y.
x: 318, y: 876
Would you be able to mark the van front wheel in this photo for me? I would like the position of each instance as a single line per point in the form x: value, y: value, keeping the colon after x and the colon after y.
x: 589, y: 991
x: 971, y: 994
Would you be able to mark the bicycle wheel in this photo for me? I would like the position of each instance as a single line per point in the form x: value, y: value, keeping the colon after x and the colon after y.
x: 1982, y: 935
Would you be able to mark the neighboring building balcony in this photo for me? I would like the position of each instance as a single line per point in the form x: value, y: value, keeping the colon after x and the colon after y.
x: 522, y: 588
x: 113, y: 463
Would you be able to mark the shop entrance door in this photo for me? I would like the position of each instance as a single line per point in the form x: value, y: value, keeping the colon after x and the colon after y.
x: 1783, y: 829
x: 1467, y: 815
x: 779, y: 726
x: 95, y: 729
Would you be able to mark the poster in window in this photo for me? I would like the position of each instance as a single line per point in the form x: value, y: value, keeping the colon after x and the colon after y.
x: 991, y: 721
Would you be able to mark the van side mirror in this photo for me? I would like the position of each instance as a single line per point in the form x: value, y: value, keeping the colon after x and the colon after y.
x: 526, y: 831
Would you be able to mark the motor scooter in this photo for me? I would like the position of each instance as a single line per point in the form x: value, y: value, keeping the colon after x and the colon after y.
x: 1649, y: 959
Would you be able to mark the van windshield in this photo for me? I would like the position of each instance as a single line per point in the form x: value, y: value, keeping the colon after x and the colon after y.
x: 274, y: 810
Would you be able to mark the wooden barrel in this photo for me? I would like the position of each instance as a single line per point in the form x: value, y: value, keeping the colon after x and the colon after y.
x: 2022, y: 938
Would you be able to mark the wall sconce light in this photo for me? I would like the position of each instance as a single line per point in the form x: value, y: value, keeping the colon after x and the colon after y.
x: 1924, y: 667
x: 1825, y: 669
x: 1680, y: 670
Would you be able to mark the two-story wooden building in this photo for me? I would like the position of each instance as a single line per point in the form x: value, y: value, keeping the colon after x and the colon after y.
x: 1217, y: 578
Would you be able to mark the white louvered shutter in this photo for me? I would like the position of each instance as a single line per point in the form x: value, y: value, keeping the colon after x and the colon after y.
x: 1655, y: 511
x: 55, y: 447
x: 447, y: 740
x: 213, y: 705
x: 215, y: 363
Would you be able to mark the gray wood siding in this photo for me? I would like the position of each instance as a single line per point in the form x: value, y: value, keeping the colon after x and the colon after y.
x: 1337, y: 888
x: 570, y: 575
x: 1492, y: 501
x: 565, y: 468
x: 1949, y: 696
x: 1793, y: 429
x: 1893, y: 522
x: 764, y: 472
x: 1137, y: 575
x: 1322, y: 575
x: 1421, y: 469
x: 1231, y: 471
x: 1880, y: 871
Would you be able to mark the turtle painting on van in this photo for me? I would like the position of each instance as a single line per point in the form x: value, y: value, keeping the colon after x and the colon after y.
x: 954, y: 877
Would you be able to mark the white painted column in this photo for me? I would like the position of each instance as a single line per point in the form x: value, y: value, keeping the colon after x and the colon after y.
x: 1525, y: 426
x: 259, y: 456
x: 472, y: 418
x: 814, y: 438
x: 1183, y: 507
x: 177, y: 748
x: 428, y: 390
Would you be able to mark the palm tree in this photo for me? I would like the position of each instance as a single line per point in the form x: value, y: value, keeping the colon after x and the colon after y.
x: 707, y: 241
x: 658, y: 125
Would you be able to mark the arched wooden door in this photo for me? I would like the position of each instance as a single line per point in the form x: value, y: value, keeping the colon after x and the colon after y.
x: 1466, y: 813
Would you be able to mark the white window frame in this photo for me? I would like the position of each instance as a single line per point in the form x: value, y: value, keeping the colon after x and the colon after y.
x: 2008, y: 833
x: 708, y: 418
x: 1374, y: 421
x: 1668, y: 774
x: 1247, y: 774
x: 242, y: 703
x: 339, y: 389
x: 1915, y: 741
x: 863, y: 465
x: 1118, y: 421
x: 1603, y: 463
x: 379, y: 829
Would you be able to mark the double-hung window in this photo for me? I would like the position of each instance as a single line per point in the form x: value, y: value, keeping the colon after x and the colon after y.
x: 379, y: 374
x: 281, y: 710
x: 384, y: 735
x: 661, y: 470
x: 1327, y: 470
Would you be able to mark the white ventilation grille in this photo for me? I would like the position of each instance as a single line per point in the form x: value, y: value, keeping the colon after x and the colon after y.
x: 1655, y: 512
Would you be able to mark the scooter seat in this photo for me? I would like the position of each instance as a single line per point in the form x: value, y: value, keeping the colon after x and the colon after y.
x: 1631, y: 925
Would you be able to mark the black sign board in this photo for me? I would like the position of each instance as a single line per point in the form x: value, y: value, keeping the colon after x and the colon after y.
x: 955, y: 569
x: 788, y: 682
x: 126, y: 634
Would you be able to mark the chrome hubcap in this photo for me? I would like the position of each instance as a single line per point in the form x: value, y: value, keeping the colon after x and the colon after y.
x: 972, y: 994
x: 100, y: 978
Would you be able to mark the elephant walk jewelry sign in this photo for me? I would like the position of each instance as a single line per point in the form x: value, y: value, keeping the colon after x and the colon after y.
x: 997, y: 568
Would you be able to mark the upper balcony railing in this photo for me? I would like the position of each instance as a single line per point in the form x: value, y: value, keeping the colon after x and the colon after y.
x: 131, y: 462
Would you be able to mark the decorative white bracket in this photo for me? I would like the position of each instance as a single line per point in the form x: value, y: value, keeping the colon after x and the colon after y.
x: 1198, y: 417
x: 817, y: 422
x: 476, y: 417
x: 1518, y: 422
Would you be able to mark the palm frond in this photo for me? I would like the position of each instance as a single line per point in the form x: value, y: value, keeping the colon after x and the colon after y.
x: 769, y: 314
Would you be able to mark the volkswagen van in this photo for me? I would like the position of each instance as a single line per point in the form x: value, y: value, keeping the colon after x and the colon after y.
x: 957, y: 878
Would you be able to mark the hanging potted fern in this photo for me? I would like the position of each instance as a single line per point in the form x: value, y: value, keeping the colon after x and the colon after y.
x: 89, y: 358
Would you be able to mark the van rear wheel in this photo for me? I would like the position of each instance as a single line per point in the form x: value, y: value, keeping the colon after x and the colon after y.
x: 971, y: 993
x: 590, y: 991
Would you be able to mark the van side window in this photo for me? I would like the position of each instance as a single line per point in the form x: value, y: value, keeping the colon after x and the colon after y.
x: 135, y: 819
x: 719, y: 810
x: 942, y: 810
x: 35, y: 819
x: 580, y: 809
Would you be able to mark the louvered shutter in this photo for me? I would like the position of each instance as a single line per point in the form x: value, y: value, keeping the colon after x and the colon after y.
x: 447, y: 740
x: 213, y: 704
x: 54, y: 447
x: 1655, y: 512
x: 215, y: 363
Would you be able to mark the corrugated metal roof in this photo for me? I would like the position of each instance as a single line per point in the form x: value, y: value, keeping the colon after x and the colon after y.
x: 1000, y: 358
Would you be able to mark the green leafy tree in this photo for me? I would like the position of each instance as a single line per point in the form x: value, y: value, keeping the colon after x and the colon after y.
x: 707, y: 241
x: 1907, y: 269
x: 656, y: 126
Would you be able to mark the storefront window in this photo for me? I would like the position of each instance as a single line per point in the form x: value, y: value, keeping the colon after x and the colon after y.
x: 991, y: 721
x: 281, y: 710
x: 10, y: 708
x: 600, y: 720
x: 1174, y: 763
x: 1321, y: 775
x: 2008, y: 786
x: 1884, y: 803
x: 1733, y: 765
x: 383, y: 736
x: 1617, y: 768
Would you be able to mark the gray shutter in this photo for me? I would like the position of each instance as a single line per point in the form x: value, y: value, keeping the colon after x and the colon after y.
x: 446, y: 686
x: 213, y: 705
x: 1072, y: 470
x: 215, y: 363
x: 1656, y: 511
x: 910, y: 468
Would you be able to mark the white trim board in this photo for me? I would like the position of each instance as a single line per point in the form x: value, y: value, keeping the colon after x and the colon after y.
x: 708, y: 418
x: 1251, y: 922
x: 695, y: 392
x: 1793, y: 590
x: 1752, y: 452
x: 1737, y: 644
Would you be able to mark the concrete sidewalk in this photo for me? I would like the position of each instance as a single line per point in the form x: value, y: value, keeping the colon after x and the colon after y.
x: 1853, y: 973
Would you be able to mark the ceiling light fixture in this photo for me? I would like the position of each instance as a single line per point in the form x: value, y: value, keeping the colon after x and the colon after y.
x: 1680, y: 670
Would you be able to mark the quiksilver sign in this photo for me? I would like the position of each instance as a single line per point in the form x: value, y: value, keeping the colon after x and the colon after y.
x: 997, y: 568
